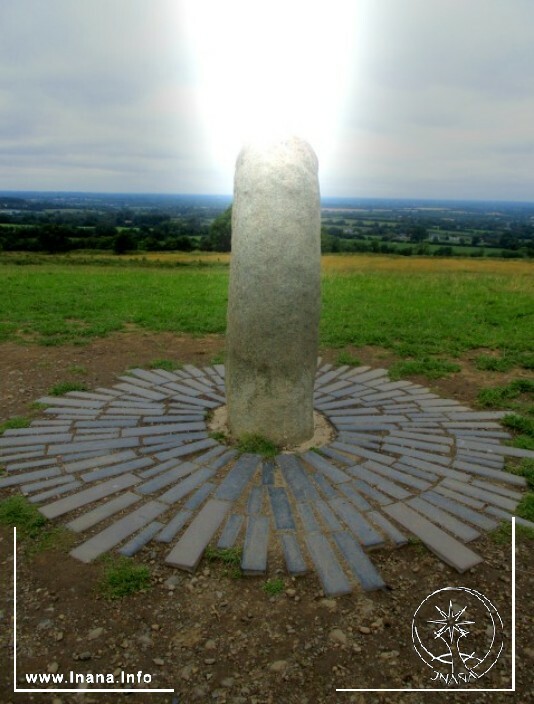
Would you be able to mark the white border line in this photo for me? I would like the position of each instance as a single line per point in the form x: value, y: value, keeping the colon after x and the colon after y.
x: 451, y: 689
x: 34, y: 690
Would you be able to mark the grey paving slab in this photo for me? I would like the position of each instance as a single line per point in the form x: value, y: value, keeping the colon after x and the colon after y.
x: 359, y: 562
x: 118, y: 531
x: 368, y: 422
x: 160, y: 447
x: 87, y: 446
x: 164, y: 429
x: 336, y: 456
x: 23, y: 454
x: 333, y: 578
x: 496, y: 449
x: 220, y: 461
x: 372, y: 492
x: 159, y: 468
x: 364, y: 440
x: 281, y: 509
x: 186, y: 486
x: 37, y: 439
x: 13, y: 480
x: 267, y: 472
x: 100, y: 461
x: 56, y: 491
x: 296, y: 478
x: 29, y: 464
x: 230, y: 531
x: 334, y: 474
x: 450, y: 494
x: 433, y: 468
x: 391, y: 531
x: 328, y: 516
x: 384, y: 485
x: 106, y: 423
x: 495, y: 461
x: 447, y: 521
x: 309, y: 522
x: 174, y: 439
x: 447, y: 548
x: 64, y: 402
x: 416, y: 472
x: 164, y: 479
x: 436, y: 458
x: 176, y: 417
x: 136, y: 390
x: 187, y: 553
x: 117, y: 469
x: 192, y: 401
x: 254, y: 559
x: 141, y: 539
x: 255, y: 500
x: 295, y: 562
x: 443, y: 448
x: 87, y: 496
x: 348, y: 489
x: 506, y: 516
x: 153, y: 377
x: 458, y: 509
x: 185, y: 450
x: 361, y: 452
x: 37, y: 431
x: 397, y: 476
x: 356, y: 522
x: 495, y: 474
x: 324, y: 485
x: 238, y: 477
x: 498, y: 489
x: 45, y: 484
x: 174, y: 526
x: 103, y: 511
x: 199, y: 496
x: 207, y: 457
x: 477, y: 492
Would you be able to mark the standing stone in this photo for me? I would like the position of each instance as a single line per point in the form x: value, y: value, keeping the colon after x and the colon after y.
x: 274, y: 293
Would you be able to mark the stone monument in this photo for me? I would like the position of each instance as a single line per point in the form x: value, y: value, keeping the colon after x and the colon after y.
x: 274, y: 292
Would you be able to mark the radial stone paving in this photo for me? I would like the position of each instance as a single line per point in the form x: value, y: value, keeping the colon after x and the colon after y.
x: 135, y: 463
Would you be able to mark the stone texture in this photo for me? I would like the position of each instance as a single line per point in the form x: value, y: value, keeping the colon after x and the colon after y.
x: 274, y: 292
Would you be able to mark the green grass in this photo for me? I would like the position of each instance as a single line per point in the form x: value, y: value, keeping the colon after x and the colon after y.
x: 167, y: 364
x: 33, y: 530
x: 18, y: 511
x: 66, y: 386
x: 500, y: 396
x: 503, y: 533
x: 230, y: 558
x: 431, y: 367
x: 122, y: 577
x: 274, y: 586
x: 486, y: 362
x: 413, y: 313
x: 14, y: 423
x: 345, y: 357
x: 257, y: 444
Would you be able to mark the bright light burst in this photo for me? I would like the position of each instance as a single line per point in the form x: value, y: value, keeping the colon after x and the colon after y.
x: 266, y: 68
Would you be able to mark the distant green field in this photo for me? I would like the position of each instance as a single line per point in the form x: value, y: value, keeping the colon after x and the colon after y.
x: 411, y: 309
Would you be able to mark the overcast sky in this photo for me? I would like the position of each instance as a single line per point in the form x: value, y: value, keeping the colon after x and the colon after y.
x: 407, y: 98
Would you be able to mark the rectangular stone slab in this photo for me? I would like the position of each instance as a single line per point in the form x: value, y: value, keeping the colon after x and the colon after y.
x: 141, y: 539
x: 174, y: 526
x: 385, y: 485
x: 187, y: 485
x: 295, y: 562
x: 357, y: 523
x: 446, y: 520
x: 307, y: 517
x: 188, y: 449
x: 188, y: 551
x: 199, y: 496
x: 488, y: 497
x: 238, y: 477
x: 372, y: 492
x: 458, y: 509
x: 117, y: 532
x: 255, y: 500
x: 29, y: 476
x: 254, y: 560
x: 281, y: 508
x: 171, y: 476
x: 349, y: 490
x: 52, y: 493
x: 360, y: 564
x: 387, y: 527
x: 321, y: 465
x: 116, y: 469
x: 100, y: 513
x: 331, y: 574
x: 230, y: 531
x: 297, y: 479
x: 87, y: 496
x: 443, y: 545
x: 328, y: 516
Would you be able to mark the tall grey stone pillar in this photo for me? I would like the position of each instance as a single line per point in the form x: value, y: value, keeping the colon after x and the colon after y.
x: 274, y: 293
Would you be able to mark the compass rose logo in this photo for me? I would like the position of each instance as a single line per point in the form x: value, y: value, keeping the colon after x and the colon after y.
x: 458, y: 633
